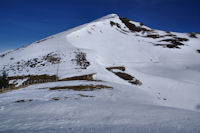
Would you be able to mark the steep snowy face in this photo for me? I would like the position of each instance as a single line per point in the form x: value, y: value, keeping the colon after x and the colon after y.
x: 108, y: 41
x: 114, y: 49
x: 118, y: 40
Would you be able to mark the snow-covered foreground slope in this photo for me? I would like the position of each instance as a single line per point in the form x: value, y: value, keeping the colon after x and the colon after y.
x: 120, y: 109
x: 110, y: 75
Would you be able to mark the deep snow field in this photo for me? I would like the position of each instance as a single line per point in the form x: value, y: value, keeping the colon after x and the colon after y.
x: 136, y: 79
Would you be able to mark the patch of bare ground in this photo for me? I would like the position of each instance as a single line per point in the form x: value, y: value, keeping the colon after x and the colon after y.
x: 22, y: 101
x: 192, y: 35
x: 124, y: 75
x: 52, y: 58
x: 55, y: 98
x: 167, y: 45
x: 34, y: 79
x: 174, y: 42
x: 128, y: 77
x: 88, y: 77
x: 133, y: 27
x: 180, y: 39
x: 119, y: 27
x: 30, y: 80
x: 122, y: 68
x: 154, y: 36
x: 141, y: 24
x: 116, y: 24
x: 19, y: 66
x: 170, y: 34
x: 89, y: 87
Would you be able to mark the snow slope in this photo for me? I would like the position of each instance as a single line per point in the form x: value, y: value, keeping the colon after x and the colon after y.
x: 148, y: 81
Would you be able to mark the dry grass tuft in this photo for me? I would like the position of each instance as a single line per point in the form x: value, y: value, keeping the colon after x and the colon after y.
x: 88, y: 77
x: 81, y: 60
x: 122, y: 68
x: 89, y: 87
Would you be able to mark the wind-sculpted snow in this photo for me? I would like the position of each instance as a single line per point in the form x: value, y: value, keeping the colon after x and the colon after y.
x: 110, y: 75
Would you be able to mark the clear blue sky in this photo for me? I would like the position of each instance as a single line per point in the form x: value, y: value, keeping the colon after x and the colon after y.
x: 25, y: 21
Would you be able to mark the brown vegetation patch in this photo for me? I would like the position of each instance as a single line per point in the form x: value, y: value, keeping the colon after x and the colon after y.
x: 154, y: 36
x: 133, y: 27
x: 81, y: 60
x: 52, y: 58
x: 170, y: 34
x: 128, y: 77
x: 89, y: 87
x: 124, y: 75
x: 122, y: 68
x: 167, y: 45
x: 32, y: 63
x: 119, y: 27
x: 22, y: 101
x: 173, y: 43
x: 55, y: 98
x: 116, y: 24
x: 88, y: 77
x: 180, y: 39
x: 21, y: 65
x: 34, y: 79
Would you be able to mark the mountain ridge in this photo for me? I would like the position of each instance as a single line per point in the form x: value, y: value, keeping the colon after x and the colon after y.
x: 109, y: 75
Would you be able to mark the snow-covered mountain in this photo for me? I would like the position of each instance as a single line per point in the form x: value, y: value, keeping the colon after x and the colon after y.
x: 109, y: 75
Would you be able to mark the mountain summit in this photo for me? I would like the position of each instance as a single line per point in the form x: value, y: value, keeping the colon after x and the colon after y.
x: 112, y: 72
